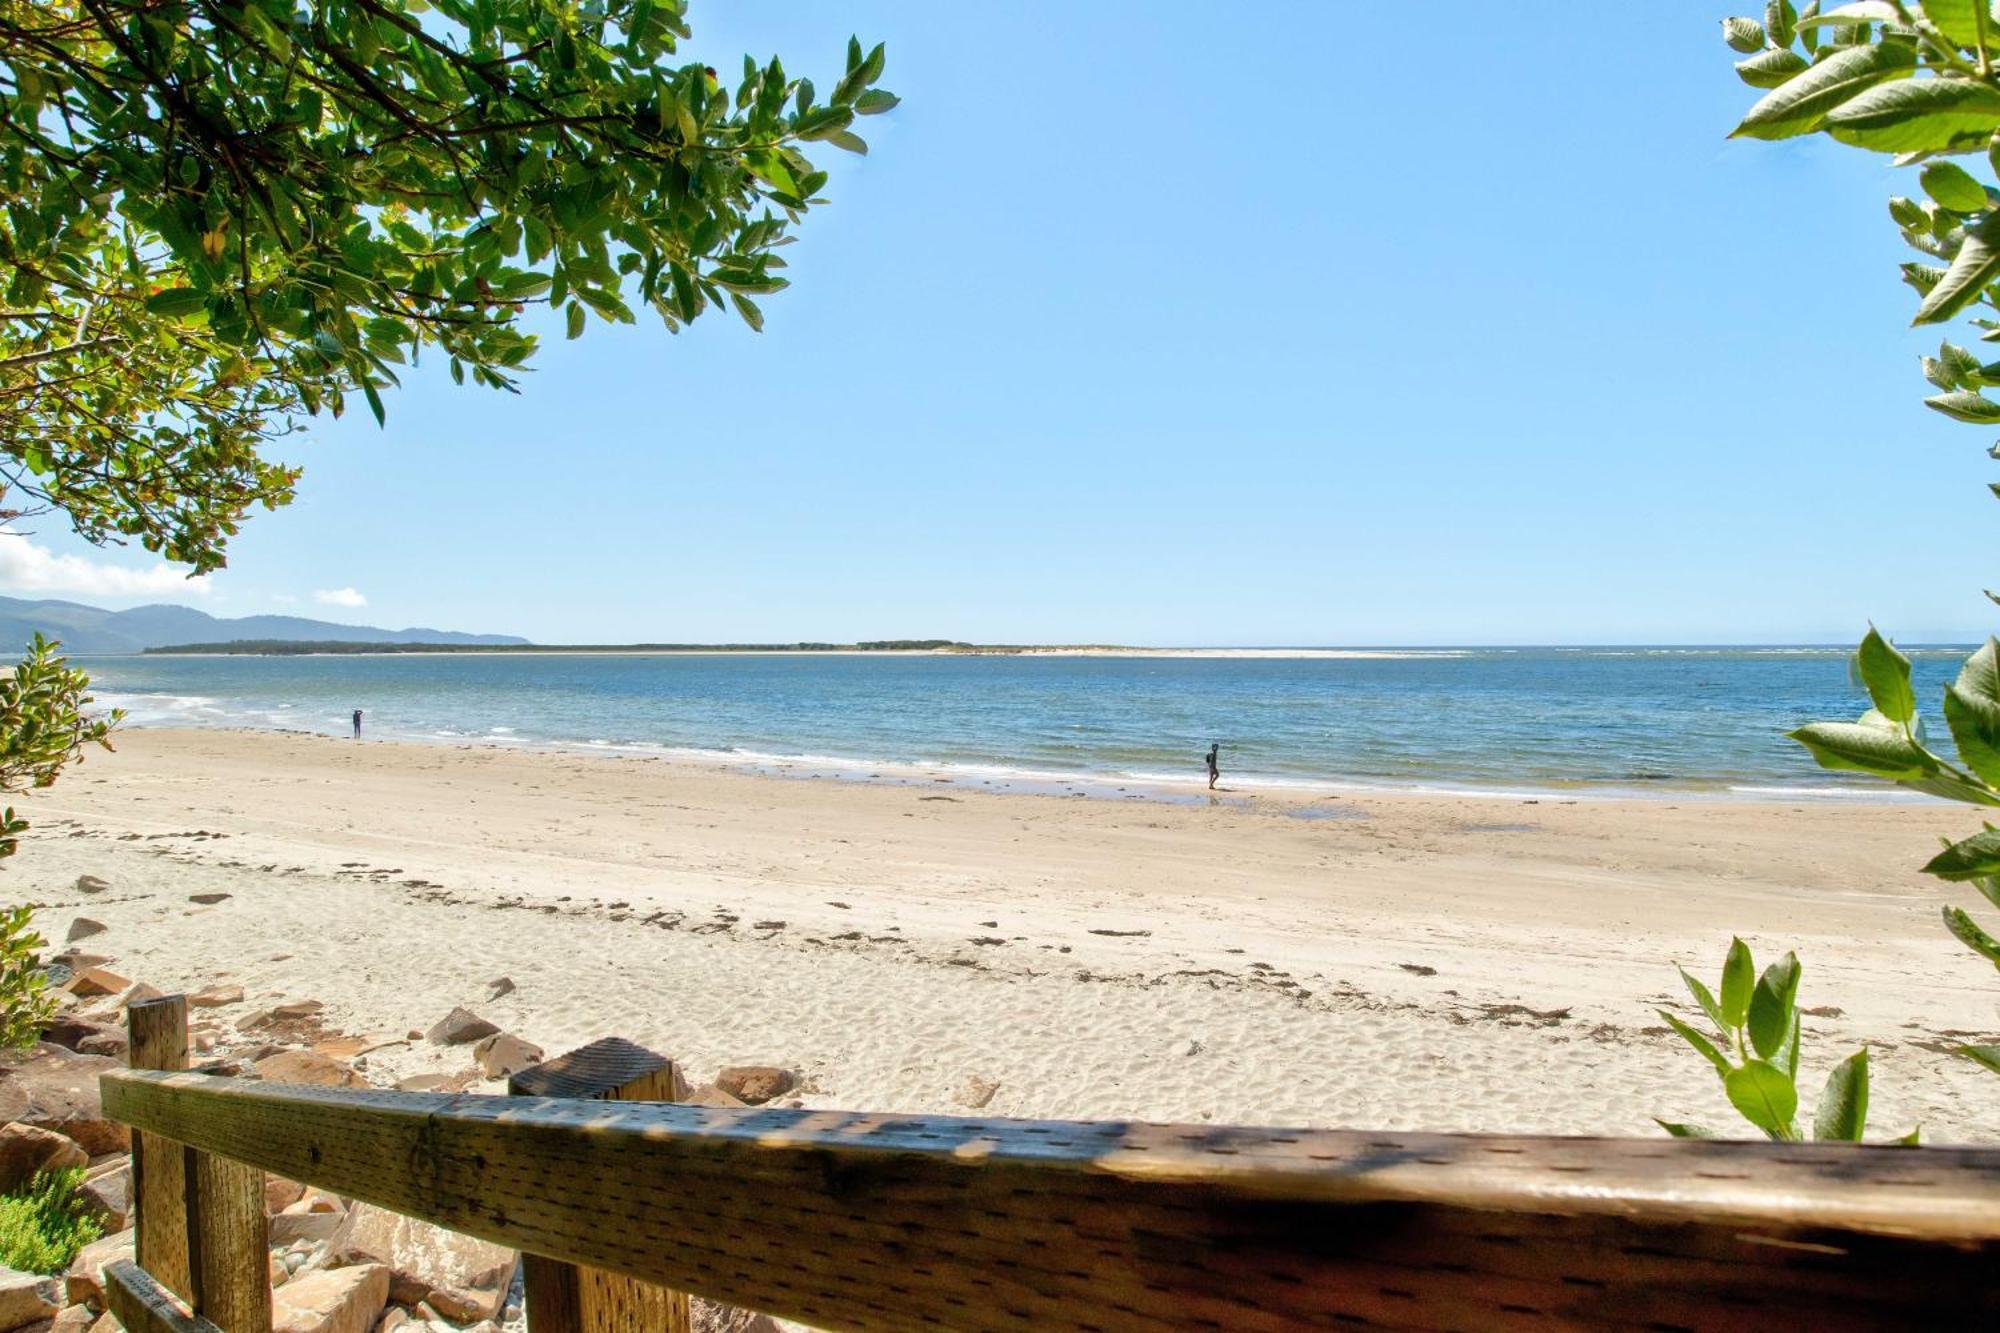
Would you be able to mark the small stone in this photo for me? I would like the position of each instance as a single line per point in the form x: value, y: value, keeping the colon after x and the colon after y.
x: 341, y: 1300
x: 975, y: 1092
x: 84, y: 1283
x: 279, y: 1273
x: 91, y: 884
x: 140, y: 994
x: 72, y: 1319
x: 215, y: 997
x: 25, y: 1298
x: 460, y: 1026
x: 297, y: 1009
x: 505, y: 1054
x: 83, y: 928
x: 208, y: 899
x: 756, y: 1084
x: 499, y: 986
x: 90, y: 981
x: 295, y: 1066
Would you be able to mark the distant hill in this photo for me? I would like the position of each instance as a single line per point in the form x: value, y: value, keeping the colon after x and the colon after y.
x: 92, y: 629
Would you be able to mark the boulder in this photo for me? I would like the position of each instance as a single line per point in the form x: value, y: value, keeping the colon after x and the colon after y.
x: 280, y: 1194
x: 26, y: 1150
x: 458, y: 1027
x: 215, y: 997
x: 756, y: 1084
x: 341, y: 1300
x: 114, y: 1045
x: 470, y: 1275
x: 84, y: 1282
x: 295, y: 1066
x: 68, y: 1030
x: 710, y: 1095
x: 51, y: 1087
x: 140, y: 994
x: 504, y: 1053
x: 72, y: 1319
x: 83, y: 928
x: 107, y: 1196
x: 298, y: 1223
x: 91, y: 884
x: 95, y: 980
x: 25, y: 1298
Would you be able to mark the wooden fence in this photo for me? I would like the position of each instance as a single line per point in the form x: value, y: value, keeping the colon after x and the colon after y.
x: 859, y: 1221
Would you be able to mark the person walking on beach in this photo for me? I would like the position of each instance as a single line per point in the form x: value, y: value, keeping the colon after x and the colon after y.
x: 357, y: 729
x: 1214, y: 772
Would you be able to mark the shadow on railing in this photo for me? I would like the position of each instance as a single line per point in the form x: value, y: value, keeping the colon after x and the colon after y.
x: 863, y: 1221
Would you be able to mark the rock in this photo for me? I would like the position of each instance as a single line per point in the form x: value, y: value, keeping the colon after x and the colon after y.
x: 107, y: 1196
x: 470, y: 1275
x: 294, y: 1066
x: 438, y: 1082
x: 54, y: 1088
x: 460, y: 1026
x: 975, y: 1092
x: 215, y: 997
x: 710, y: 1095
x: 498, y: 987
x: 279, y: 1273
x: 83, y: 928
x: 705, y: 1316
x: 756, y: 1084
x: 140, y: 994
x: 72, y: 1319
x: 94, y: 980
x: 91, y: 884
x: 68, y: 1030
x: 296, y: 1224
x: 341, y: 1300
x: 296, y: 1009
x: 84, y: 1282
x: 24, y: 1298
x: 208, y: 899
x: 280, y: 1194
x: 115, y: 1045
x: 504, y: 1053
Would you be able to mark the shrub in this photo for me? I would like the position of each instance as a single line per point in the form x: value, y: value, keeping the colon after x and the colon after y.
x: 25, y: 1004
x: 43, y: 1226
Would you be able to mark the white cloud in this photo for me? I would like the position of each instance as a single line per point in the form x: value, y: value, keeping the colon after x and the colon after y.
x: 339, y: 597
x: 26, y: 567
x: 284, y: 598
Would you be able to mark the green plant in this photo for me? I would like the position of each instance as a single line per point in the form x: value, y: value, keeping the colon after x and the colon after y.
x: 1918, y: 82
x: 25, y: 1004
x: 1755, y: 1052
x: 43, y: 1226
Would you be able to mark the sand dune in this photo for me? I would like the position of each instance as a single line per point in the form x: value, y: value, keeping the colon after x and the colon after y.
x: 1395, y: 962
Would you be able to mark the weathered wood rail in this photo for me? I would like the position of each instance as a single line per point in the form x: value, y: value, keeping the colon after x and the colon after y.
x: 860, y: 1221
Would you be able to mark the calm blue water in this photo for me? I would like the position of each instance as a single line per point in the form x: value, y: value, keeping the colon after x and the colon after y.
x: 1645, y: 719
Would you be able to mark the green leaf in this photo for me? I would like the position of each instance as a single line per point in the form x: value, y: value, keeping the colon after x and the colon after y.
x: 1770, y: 69
x: 1843, y: 1102
x: 1911, y: 1139
x: 1743, y: 34
x: 1686, y: 1131
x: 1738, y: 979
x: 1957, y: 20
x: 1976, y: 264
x: 1764, y: 1096
x: 1952, y: 186
x: 1802, y: 103
x: 1969, y: 934
x: 1885, y: 673
x: 1916, y: 115
x: 1854, y: 747
x: 1771, y: 1005
x: 1976, y: 856
x: 1965, y: 405
x: 1781, y: 21
x: 1699, y: 1042
x: 850, y: 141
x: 1985, y: 1055
x: 1972, y: 711
x: 177, y: 302
x: 575, y: 318
x: 1704, y: 997
x: 875, y: 101
x: 1862, y: 11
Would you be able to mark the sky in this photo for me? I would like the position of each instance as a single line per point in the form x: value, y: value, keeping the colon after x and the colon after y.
x: 1156, y: 323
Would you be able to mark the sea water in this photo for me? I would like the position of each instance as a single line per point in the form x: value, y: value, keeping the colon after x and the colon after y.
x: 1611, y: 720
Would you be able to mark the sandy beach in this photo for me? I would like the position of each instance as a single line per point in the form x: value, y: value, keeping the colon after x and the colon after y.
x: 1373, y: 961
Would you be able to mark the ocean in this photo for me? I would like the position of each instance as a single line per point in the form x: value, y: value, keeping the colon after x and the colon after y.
x: 1582, y: 720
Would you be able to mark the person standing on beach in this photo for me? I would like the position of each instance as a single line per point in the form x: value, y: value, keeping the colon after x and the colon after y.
x: 357, y: 729
x: 1214, y: 772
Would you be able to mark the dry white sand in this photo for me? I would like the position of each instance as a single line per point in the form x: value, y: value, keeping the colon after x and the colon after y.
x: 1392, y: 962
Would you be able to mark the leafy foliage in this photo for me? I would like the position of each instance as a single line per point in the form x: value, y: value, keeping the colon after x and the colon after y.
x: 219, y: 215
x: 44, y: 725
x: 25, y: 1004
x: 1919, y: 82
x: 1753, y: 1044
x: 43, y: 1226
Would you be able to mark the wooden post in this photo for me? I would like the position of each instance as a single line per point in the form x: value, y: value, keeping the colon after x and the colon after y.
x: 567, y: 1298
x: 202, y: 1230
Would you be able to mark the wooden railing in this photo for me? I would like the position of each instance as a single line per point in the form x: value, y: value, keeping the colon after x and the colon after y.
x: 847, y: 1220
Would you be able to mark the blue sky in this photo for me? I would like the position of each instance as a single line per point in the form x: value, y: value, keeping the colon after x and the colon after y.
x: 1157, y: 323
